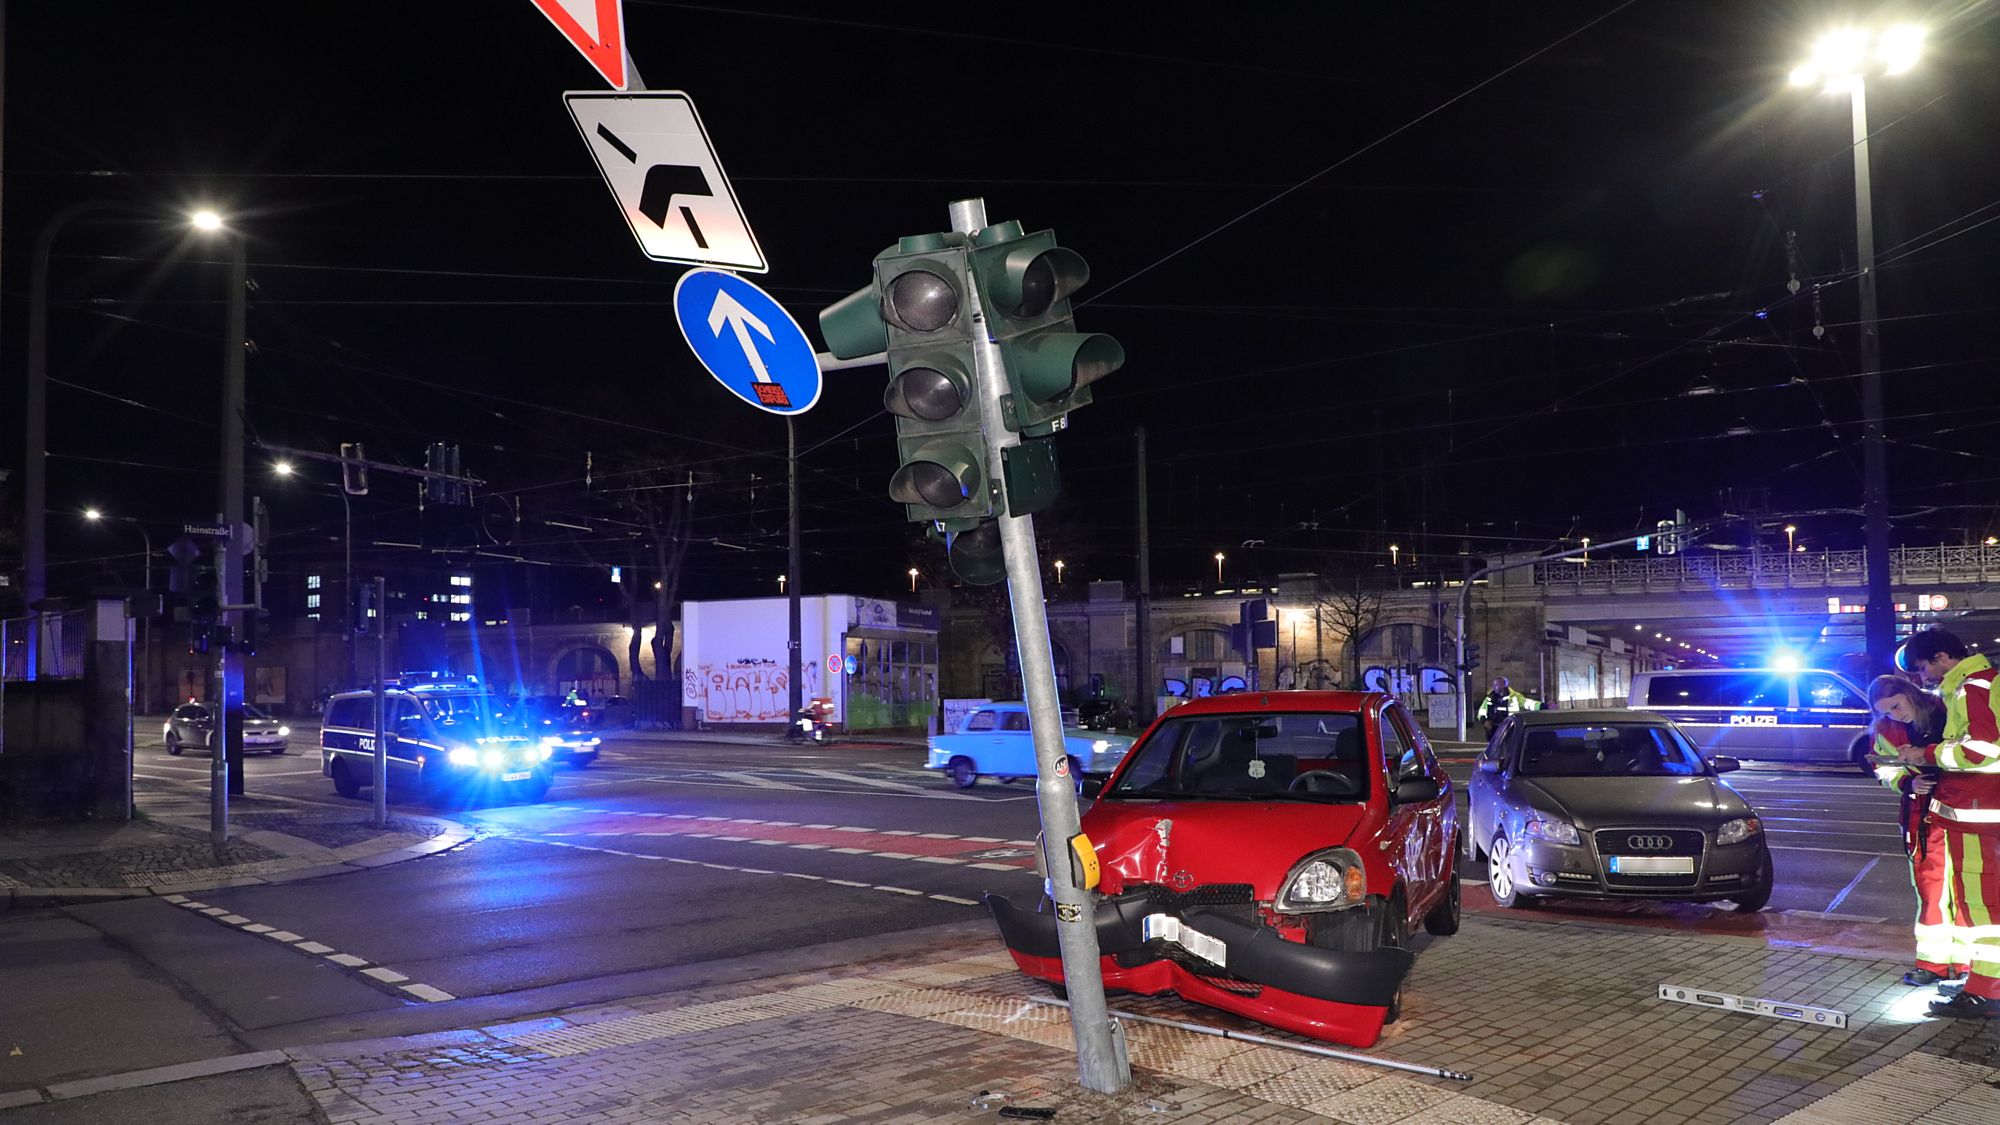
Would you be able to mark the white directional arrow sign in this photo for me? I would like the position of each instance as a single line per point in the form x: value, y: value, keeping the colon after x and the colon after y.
x: 728, y: 311
x: 777, y: 373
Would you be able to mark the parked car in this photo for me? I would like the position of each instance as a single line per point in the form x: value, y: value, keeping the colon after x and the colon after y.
x: 995, y: 742
x: 447, y: 741
x: 193, y: 724
x: 1106, y: 714
x: 1268, y: 854
x: 1763, y: 714
x: 563, y: 727
x: 611, y: 712
x: 1611, y: 804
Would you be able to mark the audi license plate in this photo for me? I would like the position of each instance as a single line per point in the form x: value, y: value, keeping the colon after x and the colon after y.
x: 1170, y: 928
x: 522, y: 776
x: 1651, y: 864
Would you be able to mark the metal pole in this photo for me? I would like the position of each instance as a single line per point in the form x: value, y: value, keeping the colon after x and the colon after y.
x: 1100, y: 1051
x: 380, y: 778
x: 218, y: 745
x: 1879, y: 618
x: 230, y: 731
x: 347, y: 577
x: 1148, y: 695
x: 795, y: 693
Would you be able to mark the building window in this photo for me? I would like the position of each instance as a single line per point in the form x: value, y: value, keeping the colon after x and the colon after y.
x: 421, y: 615
x: 312, y: 617
x: 461, y: 579
x: 312, y: 601
x: 461, y: 617
x: 312, y: 581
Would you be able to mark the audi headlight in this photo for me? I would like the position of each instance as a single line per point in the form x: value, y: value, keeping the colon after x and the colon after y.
x: 1739, y: 830
x: 463, y: 756
x: 1100, y: 746
x: 284, y: 732
x: 1542, y: 826
x: 1325, y: 880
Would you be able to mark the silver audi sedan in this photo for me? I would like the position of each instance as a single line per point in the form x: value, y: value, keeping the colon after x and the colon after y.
x: 1611, y: 804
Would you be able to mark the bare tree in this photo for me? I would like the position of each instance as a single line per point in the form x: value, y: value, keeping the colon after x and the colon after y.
x: 1348, y: 616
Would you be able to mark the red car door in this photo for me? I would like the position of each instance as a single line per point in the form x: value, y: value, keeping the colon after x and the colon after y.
x: 1416, y: 829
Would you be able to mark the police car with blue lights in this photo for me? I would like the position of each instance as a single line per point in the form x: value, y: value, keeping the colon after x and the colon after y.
x: 447, y: 739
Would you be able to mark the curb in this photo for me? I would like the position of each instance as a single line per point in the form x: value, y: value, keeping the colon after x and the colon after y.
x: 454, y: 835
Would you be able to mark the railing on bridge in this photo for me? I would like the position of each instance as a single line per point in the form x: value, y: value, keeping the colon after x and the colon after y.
x: 1768, y: 570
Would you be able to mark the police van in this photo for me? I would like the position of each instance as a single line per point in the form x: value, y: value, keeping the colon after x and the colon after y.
x: 447, y: 740
x: 1763, y: 714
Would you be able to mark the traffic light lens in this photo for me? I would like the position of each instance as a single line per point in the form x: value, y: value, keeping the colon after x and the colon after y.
x: 921, y: 301
x: 924, y: 392
x: 1038, y: 288
x: 927, y: 482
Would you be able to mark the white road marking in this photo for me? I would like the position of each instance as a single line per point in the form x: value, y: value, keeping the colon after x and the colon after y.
x: 347, y: 959
x: 542, y: 839
x: 1853, y: 883
x: 875, y: 782
x: 426, y: 992
x: 314, y: 947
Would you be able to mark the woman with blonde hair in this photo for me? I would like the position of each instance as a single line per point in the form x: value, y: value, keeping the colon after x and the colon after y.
x: 1907, y: 715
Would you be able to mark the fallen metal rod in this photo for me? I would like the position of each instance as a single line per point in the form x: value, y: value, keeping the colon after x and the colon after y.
x: 1328, y: 1052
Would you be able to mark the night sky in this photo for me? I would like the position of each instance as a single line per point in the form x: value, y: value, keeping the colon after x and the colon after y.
x: 1445, y: 276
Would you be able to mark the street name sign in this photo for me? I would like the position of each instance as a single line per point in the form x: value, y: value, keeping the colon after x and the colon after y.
x: 657, y: 160
x: 595, y: 27
x: 747, y: 341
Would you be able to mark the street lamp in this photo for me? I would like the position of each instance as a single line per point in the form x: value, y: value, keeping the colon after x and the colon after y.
x: 1586, y: 550
x: 781, y: 583
x: 1790, y: 531
x: 1840, y: 62
x: 1218, y: 568
x: 913, y: 580
x: 1394, y: 553
x: 1059, y: 572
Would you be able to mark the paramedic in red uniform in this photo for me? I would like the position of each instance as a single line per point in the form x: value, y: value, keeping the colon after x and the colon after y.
x: 1911, y: 716
x: 1966, y: 804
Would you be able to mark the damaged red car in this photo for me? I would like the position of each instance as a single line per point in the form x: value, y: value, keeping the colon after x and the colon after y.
x: 1268, y: 854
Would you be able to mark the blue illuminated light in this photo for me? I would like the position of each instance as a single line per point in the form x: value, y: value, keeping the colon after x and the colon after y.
x: 1786, y: 661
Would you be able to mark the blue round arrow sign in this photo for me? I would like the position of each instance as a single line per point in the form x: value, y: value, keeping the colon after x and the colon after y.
x: 747, y: 340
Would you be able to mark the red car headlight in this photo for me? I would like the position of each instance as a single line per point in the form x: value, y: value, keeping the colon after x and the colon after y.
x: 1326, y: 880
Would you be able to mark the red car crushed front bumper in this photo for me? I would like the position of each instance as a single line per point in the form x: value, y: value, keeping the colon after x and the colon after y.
x: 1339, y: 996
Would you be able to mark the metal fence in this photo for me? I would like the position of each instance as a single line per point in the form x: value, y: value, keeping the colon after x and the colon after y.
x: 63, y: 638
x: 1768, y: 570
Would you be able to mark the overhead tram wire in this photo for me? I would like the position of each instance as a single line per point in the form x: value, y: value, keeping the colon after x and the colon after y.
x: 1359, y: 152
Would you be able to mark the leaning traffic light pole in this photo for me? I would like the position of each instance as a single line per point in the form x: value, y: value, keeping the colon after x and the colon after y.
x: 1099, y: 1047
x: 984, y: 366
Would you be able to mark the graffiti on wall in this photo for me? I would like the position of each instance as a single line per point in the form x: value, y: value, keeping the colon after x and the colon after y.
x: 1407, y: 679
x: 750, y: 690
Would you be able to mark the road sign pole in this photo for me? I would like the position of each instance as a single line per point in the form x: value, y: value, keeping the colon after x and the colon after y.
x: 381, y: 770
x: 218, y: 757
x: 795, y: 695
x: 1099, y: 1049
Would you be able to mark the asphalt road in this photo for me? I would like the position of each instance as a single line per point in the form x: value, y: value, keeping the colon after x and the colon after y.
x: 666, y: 864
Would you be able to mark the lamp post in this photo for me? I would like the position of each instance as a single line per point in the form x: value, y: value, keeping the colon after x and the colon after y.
x: 1218, y: 568
x: 913, y: 580
x: 1791, y: 542
x: 35, y: 485
x: 1840, y: 61
x: 1395, y: 555
x: 1059, y: 572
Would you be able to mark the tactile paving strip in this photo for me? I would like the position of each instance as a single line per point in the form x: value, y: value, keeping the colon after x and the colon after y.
x: 1917, y: 1089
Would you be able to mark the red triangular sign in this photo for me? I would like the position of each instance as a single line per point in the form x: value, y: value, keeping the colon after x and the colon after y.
x: 595, y: 27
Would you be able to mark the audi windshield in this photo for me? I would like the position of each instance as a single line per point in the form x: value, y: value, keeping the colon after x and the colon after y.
x: 1311, y: 756
x: 1608, y: 750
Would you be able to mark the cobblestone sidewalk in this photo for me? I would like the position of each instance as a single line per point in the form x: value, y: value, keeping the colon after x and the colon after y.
x: 167, y: 848
x: 1562, y: 1027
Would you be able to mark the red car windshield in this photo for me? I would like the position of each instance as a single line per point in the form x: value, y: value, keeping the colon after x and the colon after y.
x: 1302, y: 756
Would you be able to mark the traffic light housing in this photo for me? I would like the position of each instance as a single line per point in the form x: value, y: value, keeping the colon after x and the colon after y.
x: 1469, y: 656
x: 1025, y: 282
x: 919, y: 311
x: 202, y: 583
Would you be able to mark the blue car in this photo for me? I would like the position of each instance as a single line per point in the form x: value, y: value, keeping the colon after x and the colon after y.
x: 995, y: 742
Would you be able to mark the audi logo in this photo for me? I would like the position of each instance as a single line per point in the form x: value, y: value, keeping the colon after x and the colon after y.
x: 1649, y: 843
